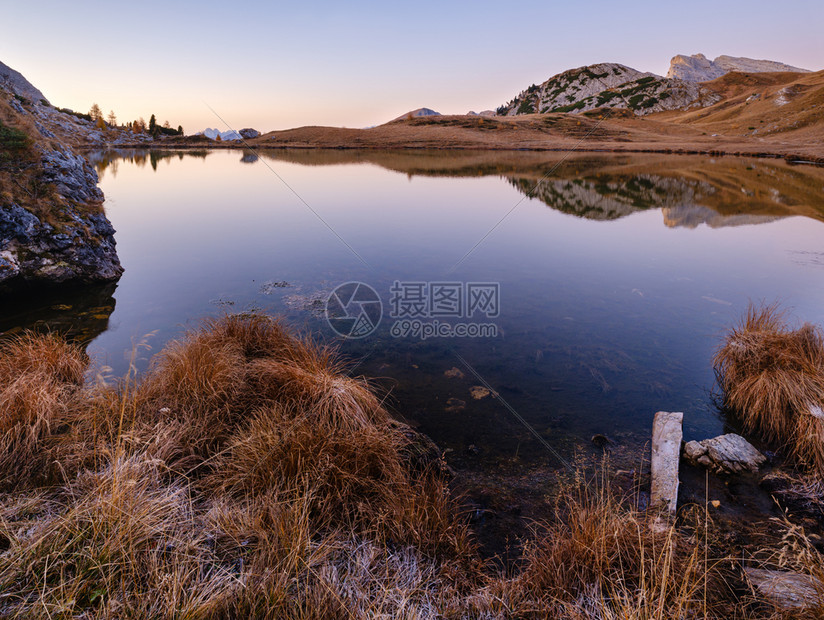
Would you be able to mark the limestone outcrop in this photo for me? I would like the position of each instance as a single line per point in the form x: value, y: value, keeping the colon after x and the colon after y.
x: 698, y: 68
x: 609, y: 85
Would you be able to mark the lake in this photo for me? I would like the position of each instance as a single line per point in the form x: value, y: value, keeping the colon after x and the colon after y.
x: 608, y: 280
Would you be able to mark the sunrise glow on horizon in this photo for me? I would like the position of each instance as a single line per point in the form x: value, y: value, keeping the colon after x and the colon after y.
x: 356, y: 65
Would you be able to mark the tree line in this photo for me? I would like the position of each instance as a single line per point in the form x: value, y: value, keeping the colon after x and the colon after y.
x: 137, y: 126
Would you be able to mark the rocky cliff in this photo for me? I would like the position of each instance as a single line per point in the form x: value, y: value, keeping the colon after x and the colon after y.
x: 14, y: 82
x: 608, y: 85
x: 698, y: 68
x: 52, y: 225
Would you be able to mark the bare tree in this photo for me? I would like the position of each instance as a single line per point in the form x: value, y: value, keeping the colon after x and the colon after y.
x: 95, y: 112
x: 112, y: 119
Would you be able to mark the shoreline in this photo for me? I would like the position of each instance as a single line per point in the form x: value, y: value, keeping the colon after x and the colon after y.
x: 789, y: 157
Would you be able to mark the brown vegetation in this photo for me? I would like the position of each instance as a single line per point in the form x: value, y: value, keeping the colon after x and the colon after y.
x: 246, y: 475
x: 772, y: 377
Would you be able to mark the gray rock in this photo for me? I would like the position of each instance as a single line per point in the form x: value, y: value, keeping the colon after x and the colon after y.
x: 609, y: 85
x: 74, y: 177
x: 726, y: 454
x: 698, y: 68
x: 666, y: 445
x: 14, y: 82
x: 786, y: 590
x: 79, y: 244
x: 248, y: 133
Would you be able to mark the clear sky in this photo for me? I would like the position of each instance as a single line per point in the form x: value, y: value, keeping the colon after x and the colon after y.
x: 274, y: 65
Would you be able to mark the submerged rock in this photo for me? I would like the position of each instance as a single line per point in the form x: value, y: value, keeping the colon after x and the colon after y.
x: 726, y: 454
x: 601, y: 441
x: 478, y: 392
x: 453, y: 373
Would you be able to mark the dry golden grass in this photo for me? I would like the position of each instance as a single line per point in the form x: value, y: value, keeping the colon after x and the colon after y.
x: 245, y: 475
x: 600, y: 558
x: 772, y: 377
x: 40, y: 377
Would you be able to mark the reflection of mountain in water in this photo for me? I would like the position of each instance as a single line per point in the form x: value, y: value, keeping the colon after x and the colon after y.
x: 692, y: 216
x: 80, y: 314
x: 689, y: 189
x: 608, y: 198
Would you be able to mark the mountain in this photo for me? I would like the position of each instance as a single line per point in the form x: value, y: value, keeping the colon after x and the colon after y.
x: 698, y: 68
x: 562, y: 92
x: 52, y: 225
x: 608, y: 85
x: 14, y: 82
x: 417, y: 114
x: 212, y: 134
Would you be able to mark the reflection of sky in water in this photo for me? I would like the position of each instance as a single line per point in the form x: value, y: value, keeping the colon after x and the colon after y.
x: 602, y: 322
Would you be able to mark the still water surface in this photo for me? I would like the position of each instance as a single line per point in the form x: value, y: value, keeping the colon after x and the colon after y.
x: 617, y: 274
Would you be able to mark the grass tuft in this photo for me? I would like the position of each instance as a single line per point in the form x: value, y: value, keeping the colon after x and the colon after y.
x: 772, y: 377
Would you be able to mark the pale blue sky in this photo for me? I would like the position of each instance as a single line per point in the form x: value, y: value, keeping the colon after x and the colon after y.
x: 273, y: 65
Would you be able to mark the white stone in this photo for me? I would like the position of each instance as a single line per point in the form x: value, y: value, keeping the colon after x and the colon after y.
x: 666, y: 448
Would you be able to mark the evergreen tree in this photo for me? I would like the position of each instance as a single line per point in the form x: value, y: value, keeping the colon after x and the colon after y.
x: 180, y: 129
x: 152, y: 124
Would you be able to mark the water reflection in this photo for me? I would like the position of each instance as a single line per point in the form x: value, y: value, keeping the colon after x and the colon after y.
x: 690, y: 190
x: 606, y: 315
x: 79, y: 314
x: 107, y: 162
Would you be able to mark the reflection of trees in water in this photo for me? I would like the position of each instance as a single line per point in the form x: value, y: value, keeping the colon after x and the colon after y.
x: 108, y: 161
x: 79, y: 313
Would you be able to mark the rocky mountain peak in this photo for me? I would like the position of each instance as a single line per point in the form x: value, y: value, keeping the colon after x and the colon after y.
x: 698, y: 68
